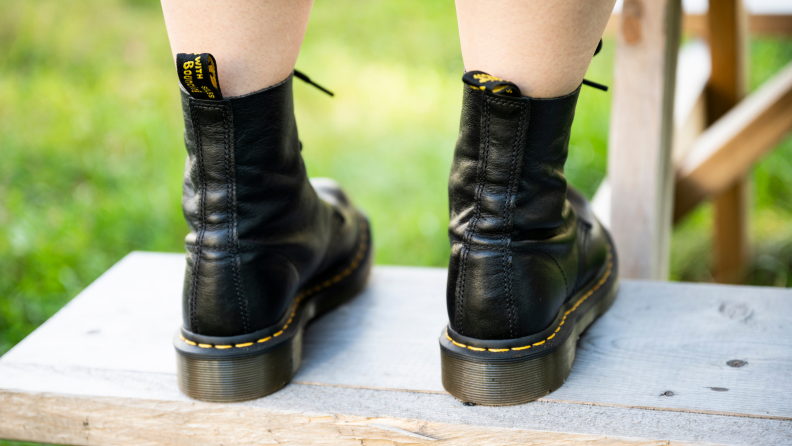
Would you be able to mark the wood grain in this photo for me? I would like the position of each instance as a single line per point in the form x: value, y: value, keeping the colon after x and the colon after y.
x: 641, y: 134
x: 377, y: 358
x: 70, y: 420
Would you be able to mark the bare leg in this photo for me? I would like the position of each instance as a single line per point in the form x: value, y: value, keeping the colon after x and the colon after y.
x: 255, y: 43
x: 542, y: 46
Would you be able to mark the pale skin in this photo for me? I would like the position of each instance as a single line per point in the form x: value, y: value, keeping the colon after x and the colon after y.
x: 543, y: 46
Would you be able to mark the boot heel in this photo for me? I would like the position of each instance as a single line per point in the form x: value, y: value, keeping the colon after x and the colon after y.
x: 505, y: 382
x: 219, y: 377
x: 499, y: 373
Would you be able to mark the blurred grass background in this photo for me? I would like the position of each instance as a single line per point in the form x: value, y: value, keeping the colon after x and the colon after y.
x: 91, y: 151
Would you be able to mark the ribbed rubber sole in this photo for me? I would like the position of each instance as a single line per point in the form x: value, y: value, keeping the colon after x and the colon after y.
x: 495, y: 384
x: 218, y: 370
x: 239, y: 379
x: 499, y: 375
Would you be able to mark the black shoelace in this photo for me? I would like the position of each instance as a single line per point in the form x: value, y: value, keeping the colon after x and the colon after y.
x: 595, y: 84
x: 300, y: 75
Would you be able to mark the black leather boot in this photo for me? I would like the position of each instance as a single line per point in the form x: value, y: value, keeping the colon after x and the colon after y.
x: 268, y: 250
x: 531, y: 267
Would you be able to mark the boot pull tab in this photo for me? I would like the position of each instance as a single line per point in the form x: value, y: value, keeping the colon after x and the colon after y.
x: 479, y: 80
x: 198, y: 75
x: 595, y: 84
x: 300, y: 75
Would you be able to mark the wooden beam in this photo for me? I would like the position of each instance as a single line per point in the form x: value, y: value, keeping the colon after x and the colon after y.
x: 696, y: 25
x: 639, y: 161
x: 731, y: 240
x: 690, y: 98
x: 690, y: 115
x: 728, y: 149
x: 727, y: 23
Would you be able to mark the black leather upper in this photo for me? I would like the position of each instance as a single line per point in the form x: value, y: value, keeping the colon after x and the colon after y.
x: 259, y: 230
x: 522, y: 242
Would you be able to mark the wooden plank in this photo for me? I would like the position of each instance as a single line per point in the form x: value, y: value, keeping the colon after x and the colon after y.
x: 728, y: 149
x: 727, y: 23
x: 102, y: 371
x: 73, y: 420
x: 639, y: 152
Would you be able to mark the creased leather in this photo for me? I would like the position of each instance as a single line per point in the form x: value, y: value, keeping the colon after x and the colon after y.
x: 522, y: 242
x: 259, y: 230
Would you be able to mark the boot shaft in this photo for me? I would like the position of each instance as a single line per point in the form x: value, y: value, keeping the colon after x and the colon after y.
x: 514, y: 247
x: 250, y: 209
x: 509, y: 164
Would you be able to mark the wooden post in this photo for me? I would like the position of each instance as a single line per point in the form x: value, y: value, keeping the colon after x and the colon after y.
x: 639, y: 162
x: 728, y: 23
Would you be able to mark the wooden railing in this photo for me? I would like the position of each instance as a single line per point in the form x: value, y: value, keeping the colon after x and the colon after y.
x: 668, y: 153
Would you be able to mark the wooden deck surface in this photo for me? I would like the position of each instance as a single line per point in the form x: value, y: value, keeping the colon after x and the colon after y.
x: 655, y: 369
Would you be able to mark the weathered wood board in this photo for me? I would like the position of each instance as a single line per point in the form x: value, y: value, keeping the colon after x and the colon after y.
x: 653, y: 370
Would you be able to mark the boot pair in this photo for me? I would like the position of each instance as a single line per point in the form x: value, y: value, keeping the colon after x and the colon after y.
x: 269, y: 250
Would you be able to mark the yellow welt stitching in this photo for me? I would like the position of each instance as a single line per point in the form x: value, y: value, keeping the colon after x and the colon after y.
x: 347, y: 271
x: 455, y: 342
x: 563, y: 319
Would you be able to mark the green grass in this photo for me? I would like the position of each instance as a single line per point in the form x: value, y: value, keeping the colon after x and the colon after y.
x: 92, y: 153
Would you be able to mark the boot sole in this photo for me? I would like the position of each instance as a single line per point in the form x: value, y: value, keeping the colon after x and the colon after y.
x: 221, y: 371
x: 513, y: 372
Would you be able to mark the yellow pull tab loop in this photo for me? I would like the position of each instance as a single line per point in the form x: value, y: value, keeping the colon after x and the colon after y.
x: 198, y: 75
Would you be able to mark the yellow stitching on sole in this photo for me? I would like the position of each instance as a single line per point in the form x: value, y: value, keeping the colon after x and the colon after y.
x: 337, y: 278
x: 577, y: 304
